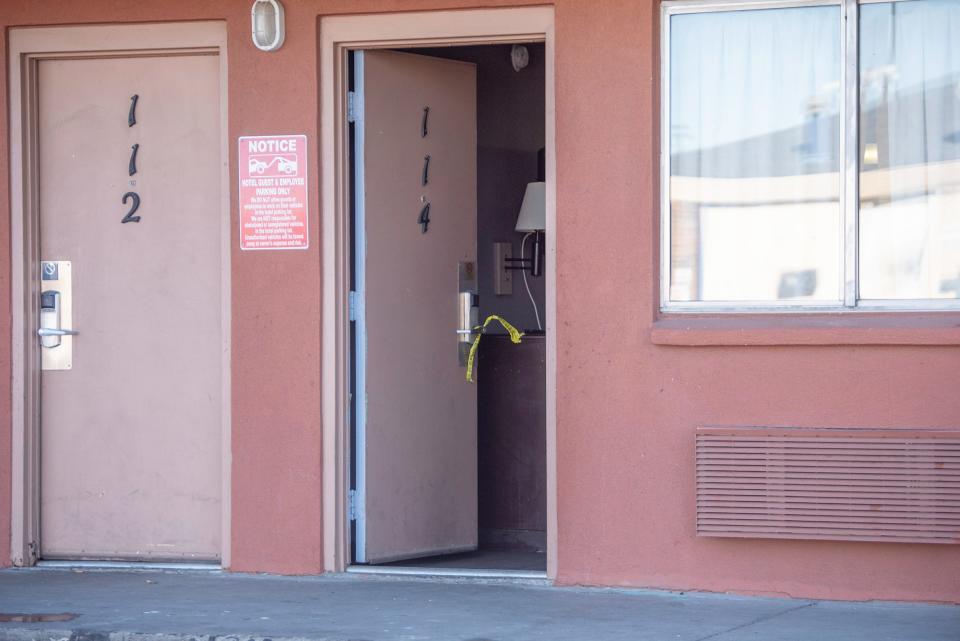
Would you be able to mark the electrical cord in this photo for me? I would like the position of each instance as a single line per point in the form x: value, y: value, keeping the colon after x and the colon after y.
x: 525, y: 283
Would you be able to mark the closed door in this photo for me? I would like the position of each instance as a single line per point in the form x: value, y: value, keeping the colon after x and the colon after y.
x: 416, y: 415
x: 131, y: 422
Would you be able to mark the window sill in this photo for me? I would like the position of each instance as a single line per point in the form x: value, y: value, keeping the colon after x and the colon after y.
x: 848, y: 328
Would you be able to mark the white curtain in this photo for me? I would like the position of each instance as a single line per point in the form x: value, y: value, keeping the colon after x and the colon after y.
x: 754, y: 146
x: 755, y: 93
x: 910, y: 149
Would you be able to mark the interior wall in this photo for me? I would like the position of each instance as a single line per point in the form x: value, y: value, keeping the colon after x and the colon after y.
x: 512, y: 443
x: 511, y: 131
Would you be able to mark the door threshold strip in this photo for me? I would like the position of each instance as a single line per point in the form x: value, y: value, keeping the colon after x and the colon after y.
x: 461, y: 573
x: 126, y: 565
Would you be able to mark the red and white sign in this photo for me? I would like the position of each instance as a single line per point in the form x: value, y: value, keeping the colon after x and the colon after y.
x: 273, y: 192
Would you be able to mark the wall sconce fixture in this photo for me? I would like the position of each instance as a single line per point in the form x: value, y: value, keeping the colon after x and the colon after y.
x: 266, y: 24
x: 532, y: 220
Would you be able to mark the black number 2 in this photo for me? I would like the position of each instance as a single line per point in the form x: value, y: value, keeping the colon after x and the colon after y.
x: 130, y: 218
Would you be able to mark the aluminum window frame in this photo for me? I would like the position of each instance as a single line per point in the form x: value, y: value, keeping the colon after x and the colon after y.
x: 849, y: 197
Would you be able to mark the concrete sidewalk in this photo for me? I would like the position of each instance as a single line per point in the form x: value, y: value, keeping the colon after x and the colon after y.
x: 169, y: 606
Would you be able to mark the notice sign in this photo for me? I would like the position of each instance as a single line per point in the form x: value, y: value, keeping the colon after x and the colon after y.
x: 273, y: 192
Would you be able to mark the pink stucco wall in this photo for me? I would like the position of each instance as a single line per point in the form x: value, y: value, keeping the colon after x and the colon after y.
x: 276, y: 376
x: 627, y: 408
x: 628, y: 402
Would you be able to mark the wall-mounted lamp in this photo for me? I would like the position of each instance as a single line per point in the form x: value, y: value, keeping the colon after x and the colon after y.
x: 266, y: 24
x: 532, y: 220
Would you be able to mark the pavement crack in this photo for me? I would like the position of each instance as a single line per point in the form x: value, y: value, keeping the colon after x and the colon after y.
x: 755, y: 621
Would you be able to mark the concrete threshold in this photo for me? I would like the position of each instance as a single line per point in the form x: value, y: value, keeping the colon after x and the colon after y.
x: 137, y: 604
x: 458, y: 573
x: 127, y: 565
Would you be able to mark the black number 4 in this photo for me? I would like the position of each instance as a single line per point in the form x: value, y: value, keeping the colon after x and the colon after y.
x: 424, y: 219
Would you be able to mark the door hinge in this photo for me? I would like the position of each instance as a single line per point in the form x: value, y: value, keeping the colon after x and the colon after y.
x: 352, y: 505
x: 352, y: 305
x: 351, y: 106
x: 349, y: 410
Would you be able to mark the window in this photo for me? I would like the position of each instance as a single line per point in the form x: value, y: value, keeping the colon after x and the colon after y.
x: 809, y: 165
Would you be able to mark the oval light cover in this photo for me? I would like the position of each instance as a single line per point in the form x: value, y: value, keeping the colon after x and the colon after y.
x: 266, y: 24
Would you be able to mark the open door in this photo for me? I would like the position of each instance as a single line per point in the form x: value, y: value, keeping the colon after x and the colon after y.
x: 415, y: 226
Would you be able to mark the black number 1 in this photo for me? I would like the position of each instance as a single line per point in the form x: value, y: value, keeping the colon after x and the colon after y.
x: 132, y: 114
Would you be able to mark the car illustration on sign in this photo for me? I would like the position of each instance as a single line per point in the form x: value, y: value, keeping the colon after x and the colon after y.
x: 281, y: 165
x: 286, y: 165
x: 257, y: 166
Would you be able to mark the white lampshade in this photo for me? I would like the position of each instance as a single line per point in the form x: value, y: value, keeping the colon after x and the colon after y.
x: 533, y: 211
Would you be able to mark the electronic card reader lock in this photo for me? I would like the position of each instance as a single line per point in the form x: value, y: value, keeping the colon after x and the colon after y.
x: 467, y: 309
x: 50, y: 331
x: 56, y: 315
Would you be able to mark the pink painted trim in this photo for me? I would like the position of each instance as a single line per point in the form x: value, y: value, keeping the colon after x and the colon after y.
x: 820, y: 329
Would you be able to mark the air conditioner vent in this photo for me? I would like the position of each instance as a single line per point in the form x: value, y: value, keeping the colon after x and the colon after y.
x: 839, y: 484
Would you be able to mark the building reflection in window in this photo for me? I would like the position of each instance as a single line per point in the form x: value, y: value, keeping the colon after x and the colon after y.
x: 755, y: 171
x: 910, y: 150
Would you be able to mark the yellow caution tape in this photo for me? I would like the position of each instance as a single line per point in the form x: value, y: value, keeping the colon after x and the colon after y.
x: 515, y: 335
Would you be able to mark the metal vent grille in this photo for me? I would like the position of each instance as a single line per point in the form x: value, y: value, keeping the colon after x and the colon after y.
x: 850, y: 485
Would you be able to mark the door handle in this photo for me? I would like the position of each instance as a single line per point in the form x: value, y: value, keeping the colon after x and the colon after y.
x: 49, y: 331
x: 55, y: 315
x: 467, y: 308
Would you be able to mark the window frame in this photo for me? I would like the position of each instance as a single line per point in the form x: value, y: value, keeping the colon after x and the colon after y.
x: 848, y: 26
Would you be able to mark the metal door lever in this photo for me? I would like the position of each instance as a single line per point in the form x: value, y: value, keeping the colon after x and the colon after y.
x: 56, y: 311
x: 48, y: 331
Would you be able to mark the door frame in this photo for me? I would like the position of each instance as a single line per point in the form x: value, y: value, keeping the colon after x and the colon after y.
x: 338, y: 35
x: 27, y: 47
